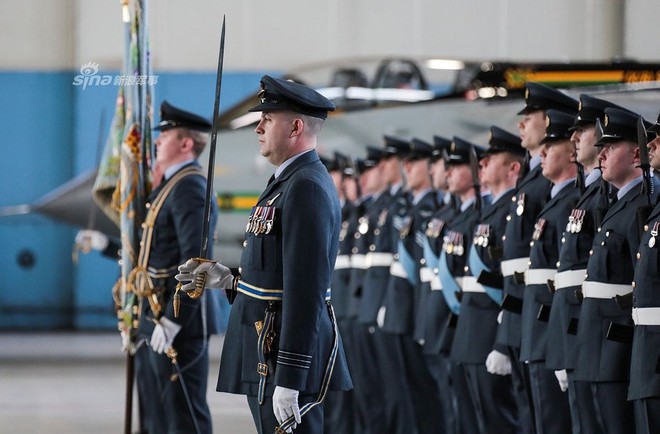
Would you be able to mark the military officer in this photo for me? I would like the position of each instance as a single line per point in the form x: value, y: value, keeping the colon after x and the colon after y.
x: 394, y: 412
x: 603, y: 353
x: 282, y: 348
x: 572, y: 264
x: 532, y: 191
x: 340, y: 412
x: 446, y: 207
x: 644, y: 387
x: 372, y: 187
x: 433, y: 312
x: 171, y: 234
x: 550, y: 404
x: 462, y: 181
x: 402, y: 296
x: 491, y: 395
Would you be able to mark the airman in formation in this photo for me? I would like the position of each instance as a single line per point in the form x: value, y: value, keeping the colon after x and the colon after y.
x: 508, y: 286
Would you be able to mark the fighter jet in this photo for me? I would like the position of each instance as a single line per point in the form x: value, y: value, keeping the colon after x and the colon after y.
x: 403, y: 97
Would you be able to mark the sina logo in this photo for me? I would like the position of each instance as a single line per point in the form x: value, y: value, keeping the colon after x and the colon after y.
x: 89, y: 76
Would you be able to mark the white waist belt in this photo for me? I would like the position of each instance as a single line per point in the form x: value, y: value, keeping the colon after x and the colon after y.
x: 469, y: 284
x: 566, y: 279
x: 436, y: 284
x: 514, y: 265
x: 359, y: 261
x: 343, y: 261
x: 646, y: 315
x: 396, y: 269
x: 604, y: 290
x: 539, y: 276
x: 426, y: 274
x: 379, y: 259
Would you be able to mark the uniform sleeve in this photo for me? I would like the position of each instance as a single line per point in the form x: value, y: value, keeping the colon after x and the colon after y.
x: 187, y: 218
x: 307, y: 232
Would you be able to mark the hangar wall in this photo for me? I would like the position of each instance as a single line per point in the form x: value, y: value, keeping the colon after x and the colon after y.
x: 51, y: 127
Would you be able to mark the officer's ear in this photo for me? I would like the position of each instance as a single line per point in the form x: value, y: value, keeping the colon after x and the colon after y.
x: 636, y: 158
x: 297, y: 126
x: 187, y: 144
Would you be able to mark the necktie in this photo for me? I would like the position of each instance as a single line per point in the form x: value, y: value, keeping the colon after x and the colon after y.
x: 272, y: 178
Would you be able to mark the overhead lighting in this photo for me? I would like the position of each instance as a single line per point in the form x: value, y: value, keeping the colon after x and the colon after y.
x: 445, y: 64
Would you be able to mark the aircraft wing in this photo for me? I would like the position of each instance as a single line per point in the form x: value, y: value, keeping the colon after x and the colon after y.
x: 70, y: 203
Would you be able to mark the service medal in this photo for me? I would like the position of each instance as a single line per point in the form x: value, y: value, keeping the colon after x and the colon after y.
x: 520, y: 209
x: 571, y: 219
x: 405, y: 227
x: 654, y: 233
x: 364, y: 225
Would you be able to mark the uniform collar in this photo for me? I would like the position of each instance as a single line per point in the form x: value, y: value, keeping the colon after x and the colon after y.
x: 288, y: 162
x: 559, y: 187
x: 629, y: 186
x: 170, y: 171
x: 534, y: 161
x: 592, y: 177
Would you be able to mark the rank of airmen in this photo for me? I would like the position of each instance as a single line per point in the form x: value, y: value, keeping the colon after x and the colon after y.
x: 503, y: 287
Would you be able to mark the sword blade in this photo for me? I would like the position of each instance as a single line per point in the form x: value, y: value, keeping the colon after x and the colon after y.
x: 644, y: 163
x: 474, y: 168
x: 203, y: 251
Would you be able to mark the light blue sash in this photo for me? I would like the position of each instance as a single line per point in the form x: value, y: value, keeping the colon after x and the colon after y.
x: 449, y: 285
x: 477, y: 266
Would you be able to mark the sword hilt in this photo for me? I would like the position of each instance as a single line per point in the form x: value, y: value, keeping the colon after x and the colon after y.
x: 200, y: 284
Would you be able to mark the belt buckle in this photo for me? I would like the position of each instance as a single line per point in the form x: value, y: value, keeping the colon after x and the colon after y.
x: 262, y: 369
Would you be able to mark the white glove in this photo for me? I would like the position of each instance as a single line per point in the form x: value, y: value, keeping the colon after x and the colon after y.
x: 125, y: 341
x: 285, y: 405
x: 380, y: 317
x: 216, y: 275
x: 163, y: 335
x: 499, y: 317
x: 88, y: 238
x: 498, y: 363
x: 562, y: 377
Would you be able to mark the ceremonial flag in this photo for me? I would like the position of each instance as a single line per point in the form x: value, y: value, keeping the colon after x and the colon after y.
x: 122, y: 183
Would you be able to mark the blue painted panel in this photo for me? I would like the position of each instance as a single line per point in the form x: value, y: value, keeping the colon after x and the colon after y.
x: 36, y: 111
x: 52, y: 135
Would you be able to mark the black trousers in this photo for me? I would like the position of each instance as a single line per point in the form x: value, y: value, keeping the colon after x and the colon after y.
x: 521, y: 391
x: 551, y: 411
x: 493, y: 400
x: 174, y: 407
x: 647, y: 415
x: 615, y: 414
x: 583, y: 412
x: 371, y: 380
x: 440, y: 368
x: 341, y: 412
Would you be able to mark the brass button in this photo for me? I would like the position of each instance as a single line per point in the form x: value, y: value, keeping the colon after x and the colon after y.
x: 245, y: 243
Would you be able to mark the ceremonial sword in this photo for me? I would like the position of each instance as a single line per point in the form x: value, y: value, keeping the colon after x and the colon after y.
x: 474, y: 168
x: 204, y: 247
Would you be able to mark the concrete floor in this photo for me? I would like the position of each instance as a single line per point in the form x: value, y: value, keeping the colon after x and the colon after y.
x: 74, y: 383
